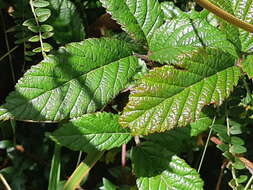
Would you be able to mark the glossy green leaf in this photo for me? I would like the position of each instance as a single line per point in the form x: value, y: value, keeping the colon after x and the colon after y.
x: 170, y: 11
x: 79, y: 78
x: 168, y: 97
x: 139, y: 18
x: 34, y: 39
x: 34, y: 29
x: 67, y: 23
x: 232, y: 32
x: 47, y: 47
x: 177, y: 176
x: 243, y: 9
x: 183, y: 35
x: 100, y: 131
x: 40, y: 3
x: 237, y: 140
x: 46, y: 28
x: 47, y: 35
x: 42, y: 14
x: 247, y: 66
x: 29, y: 22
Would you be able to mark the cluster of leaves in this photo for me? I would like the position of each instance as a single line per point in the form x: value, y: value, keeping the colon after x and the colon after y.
x: 194, y: 60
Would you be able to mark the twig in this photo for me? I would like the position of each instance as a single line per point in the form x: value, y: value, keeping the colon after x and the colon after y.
x: 123, y: 155
x: 207, y: 141
x: 4, y: 182
x: 221, y: 175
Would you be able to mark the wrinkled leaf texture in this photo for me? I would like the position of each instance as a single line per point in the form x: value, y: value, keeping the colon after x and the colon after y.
x: 79, y: 78
x: 168, y: 97
x: 100, y: 131
x: 139, y: 18
x: 177, y: 176
x: 183, y: 35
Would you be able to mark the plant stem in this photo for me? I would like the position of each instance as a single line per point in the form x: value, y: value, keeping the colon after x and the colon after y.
x: 8, y: 53
x: 40, y: 36
x: 6, y: 185
x: 207, y: 141
x: 225, y: 15
x: 8, y: 48
x: 54, y: 176
x: 249, y: 183
x: 82, y: 170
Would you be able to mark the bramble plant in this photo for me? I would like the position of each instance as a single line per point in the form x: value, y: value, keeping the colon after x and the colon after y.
x: 185, y: 73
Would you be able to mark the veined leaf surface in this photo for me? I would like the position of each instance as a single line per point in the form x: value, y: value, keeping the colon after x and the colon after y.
x: 244, y: 10
x: 139, y: 18
x: 168, y: 97
x: 177, y: 176
x: 184, y: 35
x: 100, y: 131
x: 232, y: 32
x: 80, y: 78
x: 247, y: 66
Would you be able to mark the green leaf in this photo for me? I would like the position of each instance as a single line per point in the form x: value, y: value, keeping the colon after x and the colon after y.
x: 243, y: 9
x: 237, y: 149
x: 34, y: 29
x: 178, y: 139
x: 42, y: 14
x: 149, y: 159
x: 79, y: 78
x: 138, y: 18
x: 47, y: 35
x: 237, y: 141
x: 170, y: 11
x: 183, y: 35
x: 247, y: 66
x: 168, y: 97
x: 40, y: 3
x: 64, y: 19
x: 99, y: 131
x: 177, y: 176
x: 231, y: 31
x: 200, y: 125
x: 47, y: 47
x: 29, y: 22
x: 34, y: 39
x: 107, y: 185
x: 37, y: 50
x: 46, y: 28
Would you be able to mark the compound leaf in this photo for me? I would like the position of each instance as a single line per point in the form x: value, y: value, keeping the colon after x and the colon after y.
x: 177, y: 176
x: 79, y: 78
x: 100, y: 131
x: 139, y: 18
x: 174, y: 96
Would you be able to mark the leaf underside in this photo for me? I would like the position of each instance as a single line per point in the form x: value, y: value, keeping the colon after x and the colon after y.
x: 100, y: 131
x: 80, y: 78
x: 168, y: 97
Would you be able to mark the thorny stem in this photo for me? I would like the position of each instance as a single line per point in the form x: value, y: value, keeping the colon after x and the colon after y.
x: 38, y: 25
x: 225, y: 15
